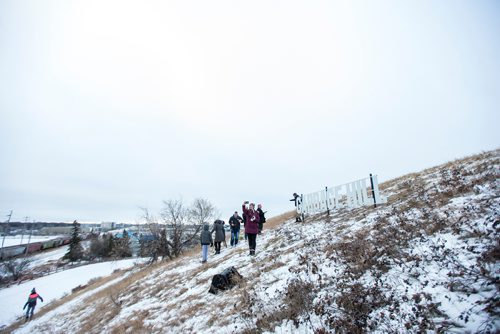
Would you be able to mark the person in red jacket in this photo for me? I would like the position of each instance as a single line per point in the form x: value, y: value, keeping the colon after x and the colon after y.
x: 31, y: 303
x: 252, y: 225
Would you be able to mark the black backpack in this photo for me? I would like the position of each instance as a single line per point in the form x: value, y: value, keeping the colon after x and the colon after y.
x: 225, y: 280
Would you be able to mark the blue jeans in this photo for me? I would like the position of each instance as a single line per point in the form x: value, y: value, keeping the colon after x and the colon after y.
x: 235, y: 236
x: 29, y: 312
x: 204, y: 253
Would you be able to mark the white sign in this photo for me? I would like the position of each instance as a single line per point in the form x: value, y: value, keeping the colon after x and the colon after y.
x: 350, y: 195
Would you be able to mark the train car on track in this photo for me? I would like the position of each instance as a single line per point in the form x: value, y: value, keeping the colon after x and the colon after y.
x: 12, y: 251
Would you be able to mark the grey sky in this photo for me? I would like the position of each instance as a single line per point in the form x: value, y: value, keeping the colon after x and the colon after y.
x: 106, y: 106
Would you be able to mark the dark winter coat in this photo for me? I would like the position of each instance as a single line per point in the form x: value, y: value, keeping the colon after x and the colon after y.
x: 234, y: 222
x: 32, y: 300
x: 253, y: 218
x: 261, y: 216
x: 296, y: 199
x: 206, y: 236
x: 220, y: 233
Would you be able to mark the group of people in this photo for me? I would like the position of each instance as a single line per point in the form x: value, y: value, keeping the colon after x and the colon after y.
x: 252, y: 220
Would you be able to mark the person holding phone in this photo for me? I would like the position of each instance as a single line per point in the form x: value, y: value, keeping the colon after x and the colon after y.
x: 252, y: 225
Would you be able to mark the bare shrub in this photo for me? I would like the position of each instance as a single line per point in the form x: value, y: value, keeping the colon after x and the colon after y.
x: 158, y: 245
x: 296, y: 306
x: 16, y: 267
x: 353, y: 306
x: 114, y: 296
x: 202, y: 211
x: 78, y: 288
x: 178, y: 228
x: 100, y: 247
x: 121, y: 246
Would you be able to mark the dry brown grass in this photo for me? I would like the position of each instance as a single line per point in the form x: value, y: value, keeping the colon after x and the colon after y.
x: 272, y: 266
x: 194, y: 307
x: 297, y: 305
x: 447, y: 165
x: 273, y: 222
x: 181, y: 292
x: 391, y: 183
x: 134, y: 324
x: 102, y: 312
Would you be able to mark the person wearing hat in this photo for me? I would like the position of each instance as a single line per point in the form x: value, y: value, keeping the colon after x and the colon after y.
x: 252, y: 225
x: 31, y: 303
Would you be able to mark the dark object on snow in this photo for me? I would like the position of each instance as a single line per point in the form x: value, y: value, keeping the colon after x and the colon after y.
x: 225, y: 280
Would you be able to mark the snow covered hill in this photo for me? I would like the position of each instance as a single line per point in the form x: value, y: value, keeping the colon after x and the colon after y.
x: 54, y: 286
x: 428, y: 261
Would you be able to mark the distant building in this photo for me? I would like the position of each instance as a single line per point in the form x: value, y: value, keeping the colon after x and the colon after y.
x: 108, y: 226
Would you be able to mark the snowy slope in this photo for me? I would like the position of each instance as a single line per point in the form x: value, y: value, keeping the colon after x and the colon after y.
x: 52, y: 287
x: 53, y: 255
x: 428, y: 261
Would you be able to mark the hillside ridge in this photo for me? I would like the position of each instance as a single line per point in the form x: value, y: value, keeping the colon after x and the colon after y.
x: 426, y: 261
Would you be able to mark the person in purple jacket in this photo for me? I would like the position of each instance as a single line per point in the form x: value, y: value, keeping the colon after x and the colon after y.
x: 252, y: 225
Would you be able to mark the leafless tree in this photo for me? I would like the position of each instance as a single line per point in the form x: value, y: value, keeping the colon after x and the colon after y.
x: 202, y: 211
x: 16, y: 267
x: 179, y: 227
x: 158, y: 246
x: 176, y: 216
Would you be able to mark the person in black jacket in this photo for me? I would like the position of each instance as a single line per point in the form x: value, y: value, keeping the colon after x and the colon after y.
x: 220, y: 234
x: 31, y: 303
x: 244, y: 218
x: 296, y: 199
x: 261, y: 216
x: 235, y: 224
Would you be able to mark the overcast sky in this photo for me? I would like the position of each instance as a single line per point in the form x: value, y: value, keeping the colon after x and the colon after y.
x: 108, y: 106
